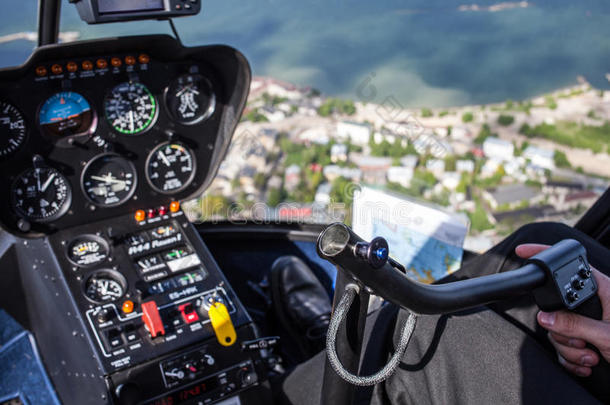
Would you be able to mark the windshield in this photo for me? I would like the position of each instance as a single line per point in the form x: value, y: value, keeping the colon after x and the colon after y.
x: 495, y: 112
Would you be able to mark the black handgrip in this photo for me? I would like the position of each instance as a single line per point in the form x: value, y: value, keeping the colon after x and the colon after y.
x: 592, y: 308
x: 597, y: 382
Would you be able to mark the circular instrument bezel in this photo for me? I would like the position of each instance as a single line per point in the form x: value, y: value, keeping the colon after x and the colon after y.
x: 88, y: 237
x: 6, y: 153
x: 123, y: 200
x: 65, y: 139
x: 149, y: 125
x: 186, y: 183
x: 201, y: 117
x: 108, y: 273
x: 60, y: 213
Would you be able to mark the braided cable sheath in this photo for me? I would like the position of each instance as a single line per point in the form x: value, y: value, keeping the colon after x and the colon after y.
x: 338, y: 317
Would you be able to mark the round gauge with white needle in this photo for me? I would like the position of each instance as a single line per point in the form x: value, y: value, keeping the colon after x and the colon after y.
x: 12, y: 129
x: 41, y: 194
x: 170, y: 168
x: 105, y: 286
x: 131, y: 108
x: 109, y: 180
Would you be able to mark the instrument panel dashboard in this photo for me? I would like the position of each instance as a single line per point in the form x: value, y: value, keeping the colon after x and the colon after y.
x: 97, y: 129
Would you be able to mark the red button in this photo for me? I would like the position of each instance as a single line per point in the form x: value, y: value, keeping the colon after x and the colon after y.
x: 188, y: 313
x: 152, y: 319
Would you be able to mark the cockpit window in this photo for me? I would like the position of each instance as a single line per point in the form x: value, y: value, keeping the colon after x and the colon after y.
x: 18, y: 31
x: 494, y: 112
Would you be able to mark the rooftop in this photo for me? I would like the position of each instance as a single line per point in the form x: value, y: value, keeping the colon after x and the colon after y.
x: 512, y: 193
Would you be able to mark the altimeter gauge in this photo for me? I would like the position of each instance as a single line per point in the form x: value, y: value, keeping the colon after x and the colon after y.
x: 12, y: 129
x: 190, y: 99
x: 41, y: 194
x: 109, y: 180
x: 130, y: 108
x: 170, y: 168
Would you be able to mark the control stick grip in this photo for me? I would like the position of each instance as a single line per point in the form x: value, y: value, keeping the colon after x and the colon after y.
x: 591, y: 308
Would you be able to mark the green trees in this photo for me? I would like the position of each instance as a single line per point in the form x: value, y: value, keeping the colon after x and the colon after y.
x: 505, y: 120
x: 338, y: 106
x: 426, y: 112
x: 484, y: 133
x: 255, y: 116
x: 561, y: 160
x: 342, y: 191
x: 276, y: 196
x: 467, y: 117
x: 594, y: 138
x: 478, y: 219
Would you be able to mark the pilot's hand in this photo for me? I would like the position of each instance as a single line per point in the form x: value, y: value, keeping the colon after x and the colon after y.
x: 569, y: 332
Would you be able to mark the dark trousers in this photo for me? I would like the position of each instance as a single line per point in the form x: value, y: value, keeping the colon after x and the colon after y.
x: 490, y: 355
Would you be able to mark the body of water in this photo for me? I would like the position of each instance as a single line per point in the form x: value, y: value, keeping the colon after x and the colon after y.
x: 423, y: 52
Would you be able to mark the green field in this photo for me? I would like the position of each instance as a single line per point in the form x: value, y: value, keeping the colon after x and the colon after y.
x: 595, y: 138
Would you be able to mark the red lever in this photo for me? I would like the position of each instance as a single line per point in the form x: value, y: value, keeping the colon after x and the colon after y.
x: 152, y: 319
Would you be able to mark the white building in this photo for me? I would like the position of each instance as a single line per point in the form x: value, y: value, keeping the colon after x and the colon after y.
x: 409, y: 161
x: 459, y: 133
x: 358, y: 133
x: 464, y: 166
x: 540, y: 157
x: 274, y: 87
x: 489, y: 168
x: 331, y: 172
x: 498, y: 149
x: 441, y: 131
x: 317, y: 135
x: 338, y: 153
x: 401, y: 175
x: 436, y: 166
x: 450, y: 180
x: 323, y: 194
x: 272, y: 114
x: 292, y: 177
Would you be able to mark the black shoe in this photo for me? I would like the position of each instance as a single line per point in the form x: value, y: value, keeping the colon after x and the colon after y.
x: 301, y: 304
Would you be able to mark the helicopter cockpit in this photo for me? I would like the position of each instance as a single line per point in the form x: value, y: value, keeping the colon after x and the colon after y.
x: 117, y: 297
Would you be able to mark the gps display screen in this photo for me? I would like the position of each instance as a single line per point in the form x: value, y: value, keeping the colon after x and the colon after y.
x: 128, y: 6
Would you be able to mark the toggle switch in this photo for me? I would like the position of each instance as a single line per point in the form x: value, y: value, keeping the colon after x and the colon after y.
x: 152, y: 319
x: 188, y: 313
x: 222, y: 324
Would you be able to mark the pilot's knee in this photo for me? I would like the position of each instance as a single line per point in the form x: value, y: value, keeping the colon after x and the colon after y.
x: 544, y: 232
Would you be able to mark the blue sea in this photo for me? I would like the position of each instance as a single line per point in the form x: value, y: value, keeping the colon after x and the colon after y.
x: 422, y: 52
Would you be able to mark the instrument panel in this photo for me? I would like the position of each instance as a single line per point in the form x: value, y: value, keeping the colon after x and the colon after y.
x: 93, y: 130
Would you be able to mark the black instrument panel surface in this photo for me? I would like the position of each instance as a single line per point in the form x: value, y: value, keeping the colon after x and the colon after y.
x: 224, y: 68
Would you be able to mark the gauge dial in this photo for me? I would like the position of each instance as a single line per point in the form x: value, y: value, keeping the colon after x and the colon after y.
x: 170, y: 168
x: 190, y: 99
x: 105, y: 286
x: 12, y: 129
x: 109, y: 180
x: 66, y: 114
x: 41, y: 194
x: 88, y: 250
x: 130, y: 108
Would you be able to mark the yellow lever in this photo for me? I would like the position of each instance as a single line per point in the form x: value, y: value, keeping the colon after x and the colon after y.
x: 221, y: 322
